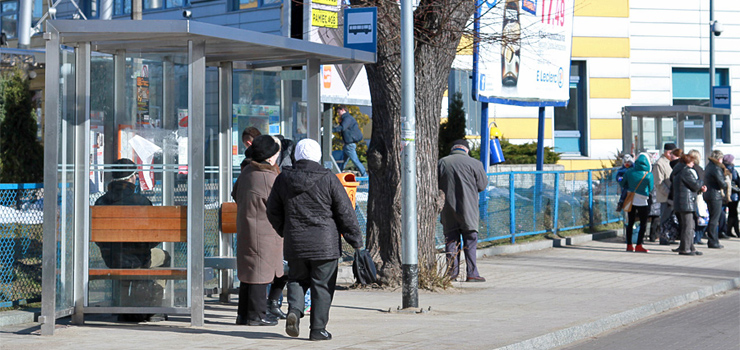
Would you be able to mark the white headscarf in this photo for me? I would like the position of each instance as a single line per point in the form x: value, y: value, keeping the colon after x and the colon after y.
x: 308, y: 149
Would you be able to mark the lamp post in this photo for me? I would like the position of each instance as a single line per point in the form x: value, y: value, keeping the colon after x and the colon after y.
x: 713, y: 122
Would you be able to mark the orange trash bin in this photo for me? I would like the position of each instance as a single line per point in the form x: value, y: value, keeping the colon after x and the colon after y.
x: 350, y: 185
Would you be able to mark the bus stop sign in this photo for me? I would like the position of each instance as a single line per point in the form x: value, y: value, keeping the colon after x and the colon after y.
x: 721, y: 97
x: 360, y: 28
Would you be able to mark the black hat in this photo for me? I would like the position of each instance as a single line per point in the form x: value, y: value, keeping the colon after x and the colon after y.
x: 264, y: 147
x: 126, y: 168
x: 461, y: 142
x: 670, y: 146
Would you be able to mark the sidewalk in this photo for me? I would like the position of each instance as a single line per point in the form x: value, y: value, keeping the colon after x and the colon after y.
x: 532, y: 300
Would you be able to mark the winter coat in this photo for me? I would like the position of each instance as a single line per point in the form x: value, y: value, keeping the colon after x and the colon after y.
x: 735, y: 182
x: 686, y: 185
x: 259, y: 249
x: 309, y: 208
x: 130, y: 255
x: 349, y: 128
x: 661, y: 176
x: 286, y: 158
x: 634, y: 177
x: 461, y: 178
x: 714, y: 178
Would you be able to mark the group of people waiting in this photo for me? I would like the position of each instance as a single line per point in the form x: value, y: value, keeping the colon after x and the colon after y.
x: 696, y: 197
x: 296, y: 212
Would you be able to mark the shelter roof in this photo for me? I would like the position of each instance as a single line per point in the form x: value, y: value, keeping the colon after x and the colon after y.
x: 672, y: 111
x: 223, y: 43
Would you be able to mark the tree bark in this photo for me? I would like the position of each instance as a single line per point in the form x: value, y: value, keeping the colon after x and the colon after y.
x: 438, y: 26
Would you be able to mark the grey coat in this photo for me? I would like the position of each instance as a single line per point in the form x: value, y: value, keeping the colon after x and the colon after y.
x: 461, y: 178
x: 259, y: 249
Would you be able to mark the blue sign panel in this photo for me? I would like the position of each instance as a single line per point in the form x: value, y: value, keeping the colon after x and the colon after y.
x: 721, y: 97
x: 360, y: 28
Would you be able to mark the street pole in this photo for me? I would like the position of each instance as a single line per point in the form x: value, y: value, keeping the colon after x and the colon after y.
x: 713, y: 123
x: 410, y: 259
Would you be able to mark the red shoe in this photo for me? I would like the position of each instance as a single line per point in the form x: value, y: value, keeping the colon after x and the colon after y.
x: 639, y: 248
x: 629, y: 248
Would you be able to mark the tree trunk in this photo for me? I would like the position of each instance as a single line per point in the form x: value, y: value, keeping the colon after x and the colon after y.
x: 438, y: 27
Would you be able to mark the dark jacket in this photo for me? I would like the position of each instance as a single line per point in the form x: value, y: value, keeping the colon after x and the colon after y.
x: 714, y: 178
x: 639, y: 174
x: 259, y: 249
x: 735, y: 179
x: 309, y: 208
x: 349, y: 128
x: 461, y: 177
x: 686, y: 185
x: 125, y: 255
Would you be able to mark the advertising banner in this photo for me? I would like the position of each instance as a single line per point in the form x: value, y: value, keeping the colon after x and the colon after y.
x: 523, y: 56
x: 341, y: 83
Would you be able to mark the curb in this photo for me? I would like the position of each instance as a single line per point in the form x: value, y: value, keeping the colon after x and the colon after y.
x: 15, y: 317
x: 576, y: 333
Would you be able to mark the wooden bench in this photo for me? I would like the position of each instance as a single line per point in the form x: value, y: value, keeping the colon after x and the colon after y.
x: 138, y: 224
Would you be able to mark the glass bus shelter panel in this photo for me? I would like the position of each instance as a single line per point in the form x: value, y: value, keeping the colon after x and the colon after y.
x: 669, y: 129
x: 149, y: 126
x: 65, y: 158
x: 256, y: 103
x: 649, y: 134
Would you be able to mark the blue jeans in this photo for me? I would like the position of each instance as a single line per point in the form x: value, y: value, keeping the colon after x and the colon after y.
x: 350, y: 153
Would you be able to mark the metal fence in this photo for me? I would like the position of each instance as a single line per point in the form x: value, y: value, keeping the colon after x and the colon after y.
x: 515, y: 204
x: 21, y: 219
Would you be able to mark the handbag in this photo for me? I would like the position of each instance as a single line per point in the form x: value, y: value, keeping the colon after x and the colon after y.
x: 364, y: 267
x: 627, y: 206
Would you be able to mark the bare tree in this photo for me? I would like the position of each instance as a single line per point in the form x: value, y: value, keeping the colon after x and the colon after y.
x: 438, y: 26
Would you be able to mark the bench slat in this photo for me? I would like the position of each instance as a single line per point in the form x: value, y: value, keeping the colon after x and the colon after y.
x: 154, y: 273
x: 140, y: 224
x: 138, y: 236
x: 134, y: 211
x: 227, y: 219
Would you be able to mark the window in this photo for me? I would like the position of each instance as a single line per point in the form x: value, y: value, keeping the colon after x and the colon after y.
x: 123, y: 7
x: 90, y: 8
x: 250, y: 4
x: 9, y: 18
x: 691, y: 87
x: 570, y: 121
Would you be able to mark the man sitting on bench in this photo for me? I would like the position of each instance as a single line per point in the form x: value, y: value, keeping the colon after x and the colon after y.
x: 133, y: 255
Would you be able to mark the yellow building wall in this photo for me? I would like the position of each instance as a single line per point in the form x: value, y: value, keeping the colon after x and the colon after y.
x: 606, y: 129
x: 601, y: 47
x: 522, y: 128
x: 602, y: 8
x: 609, y: 88
x: 584, y: 164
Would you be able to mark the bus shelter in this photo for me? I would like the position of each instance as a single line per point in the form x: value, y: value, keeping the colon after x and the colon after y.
x: 143, y: 90
x: 635, y: 118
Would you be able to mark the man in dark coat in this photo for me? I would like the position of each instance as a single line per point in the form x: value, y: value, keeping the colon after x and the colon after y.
x: 310, y: 209
x: 351, y: 135
x: 714, y: 176
x: 132, y: 255
x: 461, y: 178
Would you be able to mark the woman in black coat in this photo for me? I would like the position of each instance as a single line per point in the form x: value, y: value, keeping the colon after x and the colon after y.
x: 310, y: 209
x: 686, y: 185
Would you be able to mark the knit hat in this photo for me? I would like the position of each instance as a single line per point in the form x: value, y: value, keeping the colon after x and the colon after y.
x: 670, y: 146
x: 264, y: 147
x: 308, y: 149
x: 728, y: 159
x: 627, y: 159
x: 125, y: 171
x: 461, y: 142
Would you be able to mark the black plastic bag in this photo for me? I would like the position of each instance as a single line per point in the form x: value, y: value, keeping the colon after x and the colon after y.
x: 364, y: 268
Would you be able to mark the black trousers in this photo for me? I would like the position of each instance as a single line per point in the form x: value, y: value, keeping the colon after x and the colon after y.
x: 252, y: 301
x: 642, y: 214
x: 732, y: 220
x: 686, y: 225
x: 321, y: 277
x: 276, y: 288
x: 715, y: 210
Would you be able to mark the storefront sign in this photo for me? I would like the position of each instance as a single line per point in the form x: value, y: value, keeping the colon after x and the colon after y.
x: 323, y: 18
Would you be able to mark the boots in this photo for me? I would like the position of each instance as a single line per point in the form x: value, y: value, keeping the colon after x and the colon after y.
x: 273, y: 307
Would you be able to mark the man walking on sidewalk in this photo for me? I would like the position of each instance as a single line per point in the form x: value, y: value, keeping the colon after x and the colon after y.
x: 661, y: 174
x: 461, y: 178
x: 351, y: 135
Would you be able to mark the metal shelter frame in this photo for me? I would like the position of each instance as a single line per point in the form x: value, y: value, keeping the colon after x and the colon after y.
x: 679, y: 113
x: 204, y: 44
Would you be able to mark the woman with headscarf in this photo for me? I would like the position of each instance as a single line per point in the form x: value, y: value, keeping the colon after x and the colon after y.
x: 638, y: 179
x: 311, y: 210
x: 259, y: 249
x: 686, y: 186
